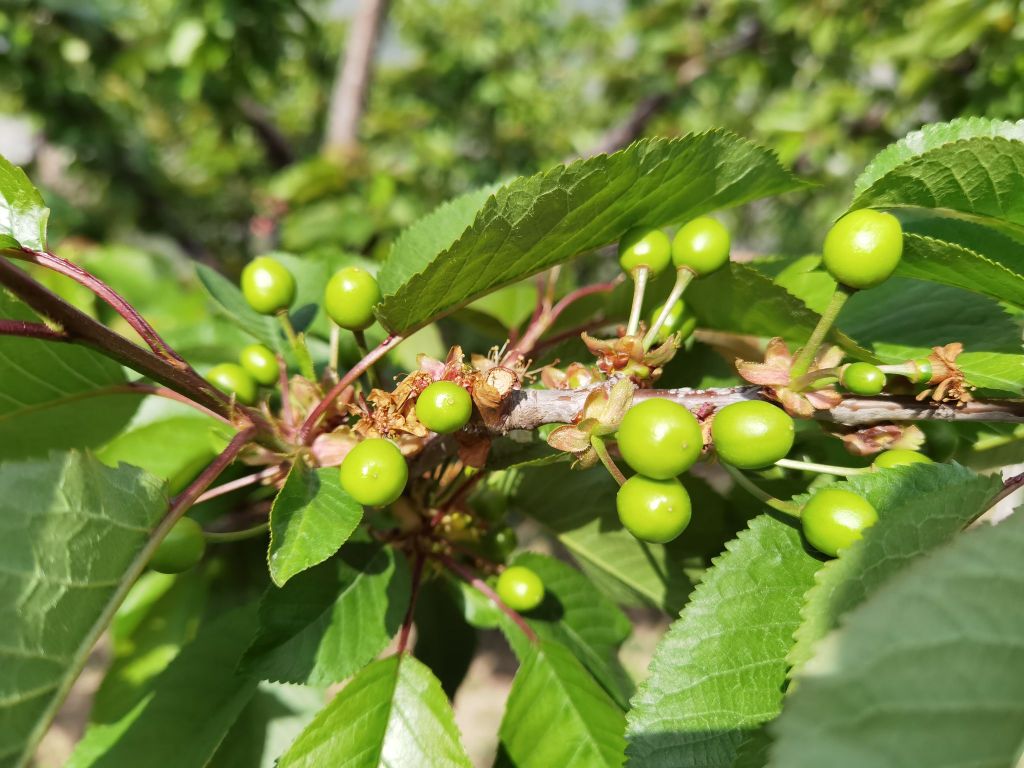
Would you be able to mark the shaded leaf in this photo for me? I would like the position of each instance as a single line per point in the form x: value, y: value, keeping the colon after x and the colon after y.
x: 229, y: 302
x: 925, y: 672
x: 328, y: 622
x: 311, y: 518
x: 445, y: 641
x: 719, y: 671
x: 557, y: 715
x: 70, y: 531
x: 393, y: 713
x: 191, y: 707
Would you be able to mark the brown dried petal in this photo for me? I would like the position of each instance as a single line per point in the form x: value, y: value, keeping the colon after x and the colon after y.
x: 763, y: 373
x: 329, y: 449
x: 569, y: 439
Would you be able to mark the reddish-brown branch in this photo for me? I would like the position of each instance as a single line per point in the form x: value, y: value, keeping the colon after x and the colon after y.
x: 481, y: 586
x: 417, y: 578
x: 375, y: 354
x: 544, y: 318
x: 105, y: 293
x: 184, y: 500
x: 31, y: 331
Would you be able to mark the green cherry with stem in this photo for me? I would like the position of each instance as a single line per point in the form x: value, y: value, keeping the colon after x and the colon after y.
x: 643, y: 253
x: 835, y: 518
x: 350, y: 297
x: 261, y: 363
x: 660, y: 438
x: 701, y: 246
x: 444, y: 407
x: 267, y: 285
x: 520, y: 588
x: 863, y: 248
x: 181, y: 549
x: 752, y: 434
x: 862, y: 378
x: 899, y: 457
x: 652, y: 510
x: 233, y: 379
x: 374, y: 472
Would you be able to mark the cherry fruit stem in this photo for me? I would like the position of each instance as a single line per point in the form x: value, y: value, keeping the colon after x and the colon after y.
x: 228, y: 537
x: 298, y: 345
x: 640, y: 276
x: 364, y: 350
x: 807, y: 352
x: 785, y: 507
x: 417, y: 579
x: 684, y: 276
x: 821, y: 469
x: 606, y: 459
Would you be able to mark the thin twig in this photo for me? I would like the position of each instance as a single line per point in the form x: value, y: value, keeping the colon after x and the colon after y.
x: 306, y: 431
x: 228, y: 537
x: 242, y: 482
x: 32, y: 331
x: 481, y: 586
x: 417, y: 578
x: 821, y: 469
x: 105, y: 293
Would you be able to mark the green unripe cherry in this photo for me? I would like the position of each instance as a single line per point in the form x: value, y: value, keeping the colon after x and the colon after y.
x: 444, y: 407
x: 644, y: 248
x: 653, y: 510
x: 520, y: 588
x: 660, y: 438
x: 752, y: 434
x: 182, y: 548
x: 862, y: 379
x: 499, y: 543
x: 260, y: 363
x: 234, y: 380
x: 267, y: 285
x: 374, y: 473
x: 899, y: 457
x: 702, y: 246
x: 350, y: 297
x: 863, y: 248
x: 834, y: 518
x: 678, y: 320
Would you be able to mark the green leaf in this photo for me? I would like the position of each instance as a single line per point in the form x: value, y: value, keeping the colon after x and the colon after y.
x: 930, y: 137
x: 579, y: 508
x: 919, y: 508
x: 270, y: 722
x: 159, y: 616
x: 925, y: 672
x: 70, y: 532
x: 980, y: 179
x: 191, y: 707
x: 56, y: 396
x: 584, y: 621
x: 329, y: 621
x: 393, y: 713
x: 926, y: 258
x: 719, y: 671
x: 445, y: 641
x: 310, y: 519
x: 753, y: 752
x: 230, y: 302
x: 902, y: 319
x: 740, y: 299
x: 23, y: 213
x: 423, y: 240
x: 557, y: 715
x: 536, y: 222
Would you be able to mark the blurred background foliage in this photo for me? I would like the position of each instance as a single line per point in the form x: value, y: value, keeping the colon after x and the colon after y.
x: 199, y: 122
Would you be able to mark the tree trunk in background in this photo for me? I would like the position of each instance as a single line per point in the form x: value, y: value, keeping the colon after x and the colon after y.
x: 348, y: 98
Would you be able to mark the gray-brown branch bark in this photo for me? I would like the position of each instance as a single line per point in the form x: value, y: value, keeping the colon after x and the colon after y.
x: 531, y: 408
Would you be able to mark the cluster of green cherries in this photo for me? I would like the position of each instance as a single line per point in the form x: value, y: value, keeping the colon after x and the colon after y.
x: 660, y: 439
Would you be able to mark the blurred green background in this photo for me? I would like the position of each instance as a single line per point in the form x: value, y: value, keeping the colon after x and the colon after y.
x: 197, y: 126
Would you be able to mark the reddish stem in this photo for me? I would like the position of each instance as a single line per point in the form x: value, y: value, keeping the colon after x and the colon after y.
x: 242, y: 482
x: 306, y: 431
x: 543, y: 320
x: 138, y: 388
x: 481, y: 586
x: 181, y: 503
x: 31, y: 330
x: 417, y: 578
x: 108, y: 295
